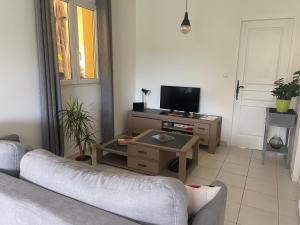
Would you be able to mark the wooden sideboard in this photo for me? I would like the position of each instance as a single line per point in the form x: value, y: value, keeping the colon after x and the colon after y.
x: 208, y: 128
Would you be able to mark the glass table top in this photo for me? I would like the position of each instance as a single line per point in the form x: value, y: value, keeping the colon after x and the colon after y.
x: 179, y: 141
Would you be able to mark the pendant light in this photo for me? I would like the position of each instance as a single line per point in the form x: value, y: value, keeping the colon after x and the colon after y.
x: 185, y: 27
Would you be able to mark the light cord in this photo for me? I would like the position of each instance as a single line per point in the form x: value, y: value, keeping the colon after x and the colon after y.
x: 186, y: 5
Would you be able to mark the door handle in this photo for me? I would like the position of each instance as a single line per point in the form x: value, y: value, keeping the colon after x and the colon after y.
x: 237, y: 91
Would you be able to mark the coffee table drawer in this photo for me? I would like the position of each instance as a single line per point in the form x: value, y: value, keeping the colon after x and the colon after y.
x: 143, y: 165
x: 144, y: 152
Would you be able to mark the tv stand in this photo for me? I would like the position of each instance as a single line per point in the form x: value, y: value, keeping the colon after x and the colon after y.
x: 206, y: 126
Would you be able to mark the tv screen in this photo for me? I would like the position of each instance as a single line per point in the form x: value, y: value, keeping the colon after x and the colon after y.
x: 185, y: 99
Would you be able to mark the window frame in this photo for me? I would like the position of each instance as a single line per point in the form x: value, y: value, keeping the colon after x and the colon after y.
x: 74, y: 42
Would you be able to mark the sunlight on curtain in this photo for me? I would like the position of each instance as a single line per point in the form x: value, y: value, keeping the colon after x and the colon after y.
x: 85, y: 18
x: 63, y: 37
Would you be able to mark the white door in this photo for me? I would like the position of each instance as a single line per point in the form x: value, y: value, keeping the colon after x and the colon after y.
x: 264, y: 57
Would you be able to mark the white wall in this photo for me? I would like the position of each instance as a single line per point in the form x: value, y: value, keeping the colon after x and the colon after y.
x: 19, y: 86
x: 205, y: 58
x: 124, y: 49
x: 295, y: 159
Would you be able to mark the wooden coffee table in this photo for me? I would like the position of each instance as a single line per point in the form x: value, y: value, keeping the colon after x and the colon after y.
x: 147, y: 155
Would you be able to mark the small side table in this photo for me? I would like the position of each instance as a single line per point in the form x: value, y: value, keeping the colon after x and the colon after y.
x: 286, y: 120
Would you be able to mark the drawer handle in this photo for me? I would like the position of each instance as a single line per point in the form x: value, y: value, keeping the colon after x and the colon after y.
x: 202, y: 139
x: 142, y: 165
x: 142, y: 152
x: 201, y: 128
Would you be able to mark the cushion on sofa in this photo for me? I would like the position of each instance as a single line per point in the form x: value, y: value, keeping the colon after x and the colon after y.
x: 148, y: 200
x: 11, y: 153
x: 214, y: 211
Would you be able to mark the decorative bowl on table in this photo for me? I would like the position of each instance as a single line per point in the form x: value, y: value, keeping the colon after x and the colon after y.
x: 276, y: 142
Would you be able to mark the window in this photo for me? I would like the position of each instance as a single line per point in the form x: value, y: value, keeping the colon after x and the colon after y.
x: 76, y: 40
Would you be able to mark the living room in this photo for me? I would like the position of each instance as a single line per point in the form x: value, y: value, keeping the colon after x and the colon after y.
x: 147, y: 50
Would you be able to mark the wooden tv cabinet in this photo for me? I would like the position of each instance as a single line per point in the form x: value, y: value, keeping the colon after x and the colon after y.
x: 208, y: 128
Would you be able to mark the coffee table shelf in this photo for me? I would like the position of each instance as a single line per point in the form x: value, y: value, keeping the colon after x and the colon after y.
x: 116, y: 160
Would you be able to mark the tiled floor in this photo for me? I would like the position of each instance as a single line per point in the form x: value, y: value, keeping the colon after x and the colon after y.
x: 257, y: 194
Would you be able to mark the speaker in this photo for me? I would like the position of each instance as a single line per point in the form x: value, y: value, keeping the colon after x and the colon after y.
x: 138, y: 106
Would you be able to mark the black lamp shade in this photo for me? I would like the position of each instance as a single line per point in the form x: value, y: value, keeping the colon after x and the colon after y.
x: 185, y: 27
x: 186, y: 21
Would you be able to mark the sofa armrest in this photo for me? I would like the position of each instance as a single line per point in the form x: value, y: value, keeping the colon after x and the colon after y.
x: 214, y: 212
x: 11, y: 153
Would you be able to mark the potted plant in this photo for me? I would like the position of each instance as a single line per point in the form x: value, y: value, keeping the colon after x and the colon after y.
x: 284, y: 92
x: 78, y: 127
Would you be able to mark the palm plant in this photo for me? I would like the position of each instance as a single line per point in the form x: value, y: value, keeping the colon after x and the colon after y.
x: 77, y: 124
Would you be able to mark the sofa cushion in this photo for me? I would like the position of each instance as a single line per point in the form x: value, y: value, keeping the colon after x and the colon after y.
x: 10, y: 156
x: 23, y: 203
x: 148, y: 200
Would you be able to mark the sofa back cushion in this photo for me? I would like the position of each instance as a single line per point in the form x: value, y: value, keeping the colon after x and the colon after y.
x: 11, y: 137
x: 23, y: 203
x: 11, y: 154
x: 145, y: 199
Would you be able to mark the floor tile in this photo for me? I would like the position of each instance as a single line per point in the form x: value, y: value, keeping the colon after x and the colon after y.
x: 283, y: 171
x: 260, y: 186
x: 223, y: 150
x: 263, y: 174
x: 243, y: 161
x: 210, y: 163
x: 268, y: 164
x: 232, y: 179
x: 232, y: 211
x: 217, y: 157
x: 234, y: 194
x: 241, y: 151
x: 286, y: 220
x: 235, y: 168
x: 260, y: 201
x: 253, y: 216
x: 288, y: 208
x: 198, y: 181
x: 284, y: 178
x: 269, y: 155
x: 229, y: 223
x: 287, y: 190
x: 205, y: 172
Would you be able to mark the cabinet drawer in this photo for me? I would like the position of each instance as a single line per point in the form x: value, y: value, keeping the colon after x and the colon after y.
x: 141, y: 124
x: 203, y: 139
x: 144, y: 152
x: 201, y: 128
x: 143, y: 165
x: 282, y: 120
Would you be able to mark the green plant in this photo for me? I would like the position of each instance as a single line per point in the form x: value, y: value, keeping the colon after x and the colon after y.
x: 286, y: 91
x: 78, y: 126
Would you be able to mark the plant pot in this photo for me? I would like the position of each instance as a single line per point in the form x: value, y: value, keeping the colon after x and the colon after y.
x: 282, y: 105
x: 84, y: 159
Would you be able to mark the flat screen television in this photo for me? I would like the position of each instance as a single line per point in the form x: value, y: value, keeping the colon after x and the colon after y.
x: 185, y: 99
